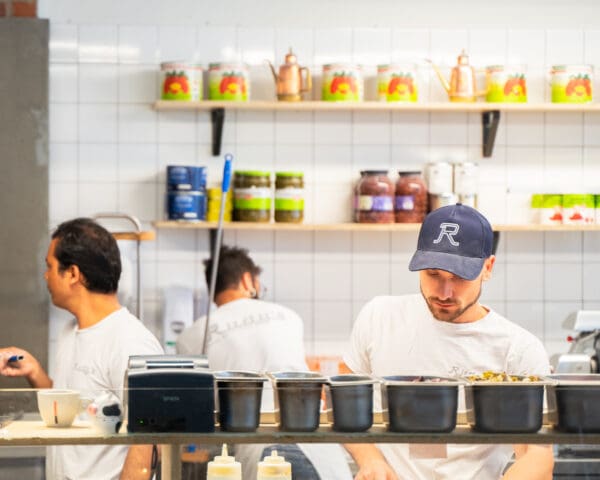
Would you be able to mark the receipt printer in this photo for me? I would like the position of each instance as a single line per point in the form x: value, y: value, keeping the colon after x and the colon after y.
x: 169, y: 393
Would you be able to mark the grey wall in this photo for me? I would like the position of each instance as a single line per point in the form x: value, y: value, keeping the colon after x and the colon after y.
x: 23, y: 187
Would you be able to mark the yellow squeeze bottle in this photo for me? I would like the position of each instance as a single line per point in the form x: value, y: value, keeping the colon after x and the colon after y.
x: 224, y: 467
x: 274, y: 467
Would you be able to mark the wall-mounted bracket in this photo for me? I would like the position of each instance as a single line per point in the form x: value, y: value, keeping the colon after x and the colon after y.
x: 217, y: 118
x: 489, y: 123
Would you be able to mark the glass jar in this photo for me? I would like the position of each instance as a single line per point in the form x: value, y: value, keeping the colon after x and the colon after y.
x: 289, y: 197
x: 252, y: 196
x: 411, y: 198
x: 374, y: 198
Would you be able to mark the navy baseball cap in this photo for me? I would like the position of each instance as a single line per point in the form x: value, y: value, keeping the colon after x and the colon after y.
x: 455, y: 238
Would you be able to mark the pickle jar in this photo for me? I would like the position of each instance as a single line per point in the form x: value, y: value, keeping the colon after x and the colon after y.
x: 411, y: 198
x: 252, y: 196
x: 374, y: 198
x: 289, y: 197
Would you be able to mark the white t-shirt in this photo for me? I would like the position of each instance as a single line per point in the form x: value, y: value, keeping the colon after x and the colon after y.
x: 254, y: 335
x: 93, y: 360
x: 400, y: 336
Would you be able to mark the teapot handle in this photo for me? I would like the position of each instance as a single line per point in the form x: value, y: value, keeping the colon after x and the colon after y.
x: 306, y: 84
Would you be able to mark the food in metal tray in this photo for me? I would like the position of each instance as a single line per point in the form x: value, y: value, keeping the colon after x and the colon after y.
x: 491, y: 376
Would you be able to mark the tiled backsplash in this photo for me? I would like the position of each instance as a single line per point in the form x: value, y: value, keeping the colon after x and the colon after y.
x: 109, y: 150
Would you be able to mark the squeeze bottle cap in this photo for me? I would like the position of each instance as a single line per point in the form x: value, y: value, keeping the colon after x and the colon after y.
x: 224, y: 467
x: 274, y: 458
x: 224, y: 457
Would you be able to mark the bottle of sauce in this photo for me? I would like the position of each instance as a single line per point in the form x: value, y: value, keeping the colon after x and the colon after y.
x: 374, y: 198
x: 411, y: 198
x: 274, y: 467
x: 224, y: 467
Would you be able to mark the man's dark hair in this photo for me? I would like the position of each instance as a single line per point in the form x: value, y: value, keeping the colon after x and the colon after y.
x: 233, y: 263
x: 91, y: 247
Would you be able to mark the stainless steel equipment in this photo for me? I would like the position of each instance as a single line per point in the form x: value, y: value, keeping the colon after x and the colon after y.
x: 585, y: 346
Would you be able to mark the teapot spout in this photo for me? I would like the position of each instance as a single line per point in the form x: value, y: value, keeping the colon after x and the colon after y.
x: 445, y: 83
x: 272, y: 71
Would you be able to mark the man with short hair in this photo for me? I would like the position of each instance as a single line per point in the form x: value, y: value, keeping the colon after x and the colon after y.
x: 246, y: 333
x: 83, y: 267
x: 446, y: 332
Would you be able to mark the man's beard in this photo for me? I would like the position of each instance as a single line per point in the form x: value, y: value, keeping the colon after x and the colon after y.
x: 442, y: 314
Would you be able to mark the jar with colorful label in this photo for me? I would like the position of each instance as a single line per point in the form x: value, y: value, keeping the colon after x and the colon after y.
x: 571, y: 83
x: 289, y: 197
x: 374, y: 198
x: 506, y: 84
x: 537, y: 202
x: 578, y: 209
x: 551, y: 212
x: 342, y: 83
x: 181, y: 81
x: 252, y: 196
x: 411, y: 201
x: 228, y: 81
x: 396, y: 83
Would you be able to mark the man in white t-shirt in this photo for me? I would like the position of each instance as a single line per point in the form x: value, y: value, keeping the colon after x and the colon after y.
x: 83, y: 267
x: 246, y: 333
x: 445, y: 331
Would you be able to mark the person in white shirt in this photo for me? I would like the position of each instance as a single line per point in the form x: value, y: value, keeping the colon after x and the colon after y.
x: 83, y: 268
x: 445, y: 331
x: 246, y: 333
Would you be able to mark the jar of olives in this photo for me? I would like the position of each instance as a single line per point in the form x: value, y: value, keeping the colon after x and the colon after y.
x: 289, y: 197
x: 374, y: 198
x: 252, y: 196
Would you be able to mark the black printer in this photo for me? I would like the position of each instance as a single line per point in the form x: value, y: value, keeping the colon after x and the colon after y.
x: 169, y: 393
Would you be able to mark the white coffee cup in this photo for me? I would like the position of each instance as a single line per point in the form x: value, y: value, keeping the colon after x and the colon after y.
x: 59, y: 408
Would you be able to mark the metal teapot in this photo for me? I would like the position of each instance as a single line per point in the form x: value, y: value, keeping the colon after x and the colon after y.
x: 462, y: 86
x: 290, y: 82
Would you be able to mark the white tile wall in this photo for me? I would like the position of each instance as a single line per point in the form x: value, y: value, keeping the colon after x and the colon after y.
x: 109, y: 150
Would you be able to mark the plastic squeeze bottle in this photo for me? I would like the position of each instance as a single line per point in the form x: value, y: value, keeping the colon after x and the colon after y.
x: 224, y: 467
x: 274, y: 467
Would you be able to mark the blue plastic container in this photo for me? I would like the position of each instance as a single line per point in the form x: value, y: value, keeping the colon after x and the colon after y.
x: 186, y: 205
x: 186, y: 178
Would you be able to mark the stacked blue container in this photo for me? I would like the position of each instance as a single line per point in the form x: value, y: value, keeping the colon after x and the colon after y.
x: 186, y: 192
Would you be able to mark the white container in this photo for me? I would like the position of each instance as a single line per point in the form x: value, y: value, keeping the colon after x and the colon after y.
x: 439, y: 178
x: 466, y: 178
x: 181, y: 81
x: 224, y: 467
x: 342, y: 83
x: 274, y: 467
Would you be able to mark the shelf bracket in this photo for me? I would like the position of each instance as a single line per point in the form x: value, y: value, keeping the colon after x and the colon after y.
x: 217, y: 118
x: 489, y: 122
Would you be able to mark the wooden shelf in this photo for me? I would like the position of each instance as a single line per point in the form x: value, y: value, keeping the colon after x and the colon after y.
x: 356, y: 227
x: 477, y: 107
x: 138, y: 236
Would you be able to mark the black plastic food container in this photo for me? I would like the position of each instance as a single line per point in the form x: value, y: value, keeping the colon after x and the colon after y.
x: 419, y: 403
x: 505, y: 407
x: 298, y: 400
x: 350, y: 402
x: 240, y: 395
x: 574, y: 402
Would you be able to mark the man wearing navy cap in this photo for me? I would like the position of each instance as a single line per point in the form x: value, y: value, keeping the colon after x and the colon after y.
x: 445, y: 331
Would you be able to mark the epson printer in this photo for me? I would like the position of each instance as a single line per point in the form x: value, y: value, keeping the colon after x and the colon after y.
x: 169, y: 393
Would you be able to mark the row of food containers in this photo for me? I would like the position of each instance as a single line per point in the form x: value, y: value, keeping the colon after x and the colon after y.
x: 495, y: 402
x: 395, y: 83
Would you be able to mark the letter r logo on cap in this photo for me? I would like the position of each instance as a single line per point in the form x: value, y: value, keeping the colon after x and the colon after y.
x: 448, y: 230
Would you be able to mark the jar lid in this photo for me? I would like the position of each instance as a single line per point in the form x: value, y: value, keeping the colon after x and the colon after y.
x: 180, y: 64
x: 289, y: 174
x: 227, y: 65
x: 404, y: 173
x: 252, y: 173
x: 373, y: 172
x: 566, y: 68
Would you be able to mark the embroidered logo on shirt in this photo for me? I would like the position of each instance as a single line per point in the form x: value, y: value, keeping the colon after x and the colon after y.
x: 448, y: 230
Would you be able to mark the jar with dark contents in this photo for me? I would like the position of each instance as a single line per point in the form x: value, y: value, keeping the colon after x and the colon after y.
x: 289, y: 197
x: 374, y: 198
x: 252, y: 196
x: 411, y: 198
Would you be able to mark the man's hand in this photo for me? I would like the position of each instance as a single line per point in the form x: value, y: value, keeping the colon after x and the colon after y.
x: 28, y: 367
x: 376, y: 470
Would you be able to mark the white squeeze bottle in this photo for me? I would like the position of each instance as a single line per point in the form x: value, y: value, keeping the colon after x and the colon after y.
x: 274, y: 467
x: 224, y: 467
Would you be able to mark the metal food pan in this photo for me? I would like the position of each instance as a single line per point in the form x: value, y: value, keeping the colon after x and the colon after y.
x: 350, y: 402
x: 419, y: 403
x: 574, y: 402
x: 239, y: 400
